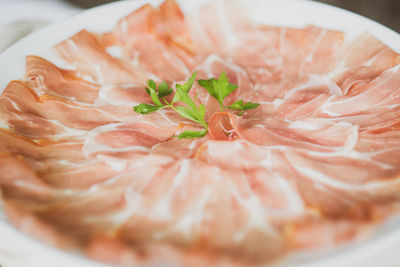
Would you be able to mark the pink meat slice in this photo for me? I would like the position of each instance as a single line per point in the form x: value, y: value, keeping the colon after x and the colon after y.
x: 118, y: 139
x: 156, y: 40
x: 89, y: 55
x: 374, y: 173
x: 216, y: 152
x: 215, y: 32
x: 30, y: 224
x: 48, y: 78
x: 70, y: 176
x: 381, y: 93
x: 262, y: 60
x: 360, y: 108
x: 41, y: 149
x: 19, y: 100
x: 155, y: 57
x: 50, y: 116
x: 161, y: 206
x: 314, y: 50
x: 361, y: 61
x: 286, y: 52
x: 340, y: 231
x: 45, y: 78
x: 312, y: 135
x: 15, y: 172
x: 185, y: 148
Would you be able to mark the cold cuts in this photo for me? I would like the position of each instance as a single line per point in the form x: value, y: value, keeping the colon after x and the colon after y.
x: 317, y: 164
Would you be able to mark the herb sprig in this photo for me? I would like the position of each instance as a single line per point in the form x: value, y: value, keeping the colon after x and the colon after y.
x: 218, y: 88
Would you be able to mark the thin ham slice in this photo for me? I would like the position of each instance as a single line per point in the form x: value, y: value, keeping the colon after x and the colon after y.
x: 48, y: 78
x: 308, y: 234
x: 361, y: 61
x: 286, y: 52
x: 40, y: 149
x: 86, y: 52
x: 223, y: 126
x: 30, y: 224
x: 15, y: 172
x: 45, y: 78
x: 18, y: 99
x: 156, y: 40
x: 381, y: 93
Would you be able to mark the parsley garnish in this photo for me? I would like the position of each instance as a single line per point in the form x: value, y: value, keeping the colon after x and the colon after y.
x: 240, y: 105
x: 218, y: 88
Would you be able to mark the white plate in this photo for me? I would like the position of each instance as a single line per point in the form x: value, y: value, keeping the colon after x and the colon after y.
x: 294, y: 13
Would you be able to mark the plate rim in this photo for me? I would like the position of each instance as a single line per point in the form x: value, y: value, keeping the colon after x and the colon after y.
x: 386, y: 35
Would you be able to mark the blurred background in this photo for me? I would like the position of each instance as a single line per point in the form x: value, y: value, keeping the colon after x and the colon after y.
x: 386, y: 12
x: 21, y: 17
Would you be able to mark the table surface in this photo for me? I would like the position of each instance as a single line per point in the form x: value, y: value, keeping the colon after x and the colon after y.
x: 15, y: 22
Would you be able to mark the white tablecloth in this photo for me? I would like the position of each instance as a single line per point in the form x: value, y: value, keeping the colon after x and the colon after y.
x: 20, y: 17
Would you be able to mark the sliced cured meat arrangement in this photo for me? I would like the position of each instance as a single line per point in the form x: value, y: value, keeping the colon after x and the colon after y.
x: 314, y: 163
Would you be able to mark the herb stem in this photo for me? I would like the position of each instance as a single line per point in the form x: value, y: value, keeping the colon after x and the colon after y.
x: 165, y: 100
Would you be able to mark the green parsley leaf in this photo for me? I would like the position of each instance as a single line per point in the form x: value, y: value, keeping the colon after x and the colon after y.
x: 154, y: 97
x: 196, y: 114
x: 250, y: 105
x: 209, y: 86
x: 152, y: 84
x: 164, y: 89
x: 187, y: 113
x: 238, y: 105
x: 176, y: 96
x: 192, y: 112
x: 185, y: 98
x: 145, y: 108
x: 192, y: 134
x: 185, y: 87
x: 202, y: 113
x: 219, y: 89
x: 223, y: 87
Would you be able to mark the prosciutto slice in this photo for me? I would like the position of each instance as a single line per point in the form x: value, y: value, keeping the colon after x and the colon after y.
x: 316, y: 165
